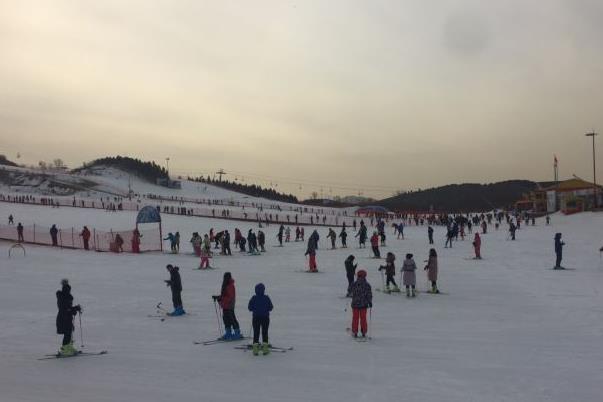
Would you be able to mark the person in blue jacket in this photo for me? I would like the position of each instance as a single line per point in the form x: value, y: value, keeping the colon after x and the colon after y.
x: 261, y: 306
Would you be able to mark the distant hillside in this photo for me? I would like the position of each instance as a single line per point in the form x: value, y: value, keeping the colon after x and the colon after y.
x: 149, y: 171
x: 6, y: 162
x: 461, y: 197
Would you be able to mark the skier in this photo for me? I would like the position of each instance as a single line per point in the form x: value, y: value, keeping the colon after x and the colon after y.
x: 226, y: 243
x: 362, y: 235
x: 85, y: 235
x: 401, y: 230
x: 449, y: 236
x: 311, y: 252
x: 53, y: 235
x: 484, y: 227
x: 287, y: 234
x: 136, y: 241
x: 430, y: 234
x: 11, y: 220
x: 477, y: 245
x: 375, y: 245
x: 20, y: 238
x: 362, y: 298
x: 333, y: 236
x: 558, y: 251
x: 177, y: 241
x: 390, y: 273
x: 343, y: 235
x: 350, y: 271
x: 261, y: 306
x: 172, y: 240
x: 227, y: 300
x: 279, y: 236
x: 252, y: 243
x: 409, y: 279
x: 262, y: 241
x: 196, y: 243
x: 175, y: 285
x: 65, y: 316
x: 118, y: 244
x: 548, y: 219
x: 512, y: 229
x: 432, y: 270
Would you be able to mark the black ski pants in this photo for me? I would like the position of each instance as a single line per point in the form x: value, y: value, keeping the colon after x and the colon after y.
x: 559, y: 258
x: 177, y: 298
x: 260, y: 323
x: 350, y: 282
x: 230, y: 320
x: 390, y: 279
x: 67, y: 338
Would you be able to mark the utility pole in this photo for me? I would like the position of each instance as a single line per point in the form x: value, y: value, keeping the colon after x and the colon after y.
x: 220, y: 173
x: 593, y: 135
x: 167, y: 164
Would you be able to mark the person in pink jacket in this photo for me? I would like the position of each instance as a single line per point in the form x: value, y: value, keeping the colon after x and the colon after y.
x: 477, y: 245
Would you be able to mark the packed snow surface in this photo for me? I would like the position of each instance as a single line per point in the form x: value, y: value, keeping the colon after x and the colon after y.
x: 508, y: 328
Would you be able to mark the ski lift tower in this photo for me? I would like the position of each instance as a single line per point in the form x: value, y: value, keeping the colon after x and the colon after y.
x: 220, y: 173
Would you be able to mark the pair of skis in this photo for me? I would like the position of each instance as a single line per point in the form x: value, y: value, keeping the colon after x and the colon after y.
x: 219, y: 340
x: 271, y: 347
x: 79, y: 353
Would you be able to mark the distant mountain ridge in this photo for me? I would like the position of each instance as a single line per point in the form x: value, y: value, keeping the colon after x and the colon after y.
x: 6, y: 162
x: 468, y: 197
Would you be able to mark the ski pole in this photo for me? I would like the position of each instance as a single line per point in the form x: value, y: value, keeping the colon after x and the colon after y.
x: 218, y: 318
x: 81, y: 332
x: 370, y: 331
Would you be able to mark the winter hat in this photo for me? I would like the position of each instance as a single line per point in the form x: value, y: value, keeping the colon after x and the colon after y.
x: 408, y: 256
x: 361, y: 273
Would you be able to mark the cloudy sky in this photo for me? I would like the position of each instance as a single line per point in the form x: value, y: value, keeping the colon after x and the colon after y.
x: 346, y: 95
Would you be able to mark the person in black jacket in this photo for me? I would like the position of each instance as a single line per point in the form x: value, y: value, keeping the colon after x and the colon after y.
x: 350, y: 271
x: 362, y: 299
x: 53, y: 235
x: 558, y: 251
x: 175, y: 285
x: 65, y: 316
x: 261, y: 306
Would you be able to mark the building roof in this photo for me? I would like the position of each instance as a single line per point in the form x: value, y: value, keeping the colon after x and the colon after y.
x: 572, y: 184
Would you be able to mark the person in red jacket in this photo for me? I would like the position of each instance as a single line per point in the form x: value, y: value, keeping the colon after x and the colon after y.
x: 227, y: 300
x: 136, y: 241
x: 375, y: 245
x: 477, y: 245
x: 85, y: 237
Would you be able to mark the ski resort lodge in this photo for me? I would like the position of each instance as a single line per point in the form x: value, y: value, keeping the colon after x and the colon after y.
x: 569, y: 196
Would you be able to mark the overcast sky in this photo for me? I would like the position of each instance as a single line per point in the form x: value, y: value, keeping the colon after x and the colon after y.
x: 371, y: 95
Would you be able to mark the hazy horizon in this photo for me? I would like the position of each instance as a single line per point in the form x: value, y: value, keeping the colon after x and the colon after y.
x: 351, y: 96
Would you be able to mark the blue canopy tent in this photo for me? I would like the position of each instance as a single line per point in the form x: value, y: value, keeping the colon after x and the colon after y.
x: 150, y: 214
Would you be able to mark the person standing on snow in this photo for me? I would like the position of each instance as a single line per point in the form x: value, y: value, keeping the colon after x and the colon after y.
x: 512, y: 229
x: 343, y: 235
x: 362, y: 235
x: 430, y: 234
x: 175, y: 284
x: 558, y: 251
x: 375, y: 245
x: 362, y: 299
x: 20, y: 238
x: 350, y: 272
x: 477, y: 246
x: 280, y: 234
x: 432, y: 270
x: 260, y: 305
x: 172, y: 240
x: 390, y: 273
x: 333, y: 236
x: 227, y: 299
x: 64, y: 321
x: 409, y: 279
x: 311, y: 252
x: 53, y: 235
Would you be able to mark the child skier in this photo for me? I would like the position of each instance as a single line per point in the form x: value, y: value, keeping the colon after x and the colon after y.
x: 343, y: 235
x: 432, y: 270
x: 375, y: 245
x: 65, y: 316
x: 477, y: 246
x: 227, y: 300
x: 333, y: 236
x: 409, y: 279
x: 558, y: 251
x: 390, y: 273
x: 311, y: 253
x: 350, y: 271
x: 261, y: 306
x: 362, y: 298
x: 175, y: 285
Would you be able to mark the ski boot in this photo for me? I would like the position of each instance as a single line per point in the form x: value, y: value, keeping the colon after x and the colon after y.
x: 387, y: 289
x: 68, y: 350
x: 407, y: 292
x: 265, y: 348
x: 414, y: 293
x: 236, y: 335
x: 227, y: 335
x: 434, y: 289
x: 396, y: 289
x: 255, y: 349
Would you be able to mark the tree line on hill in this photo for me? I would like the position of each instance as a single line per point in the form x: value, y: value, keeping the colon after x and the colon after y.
x: 149, y: 171
x: 253, y: 190
x: 6, y: 162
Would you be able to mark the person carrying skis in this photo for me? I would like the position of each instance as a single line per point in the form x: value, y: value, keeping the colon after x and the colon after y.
x: 432, y: 270
x: 175, y: 285
x: 85, y: 235
x: 333, y: 236
x: 64, y: 321
x: 558, y: 251
x: 390, y: 273
x: 477, y: 246
x: 430, y: 234
x: 409, y: 279
x: 343, y: 235
x: 350, y: 272
x: 375, y: 245
x: 260, y: 305
x: 227, y: 300
x: 362, y: 299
